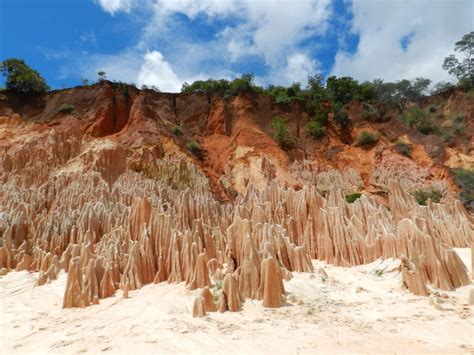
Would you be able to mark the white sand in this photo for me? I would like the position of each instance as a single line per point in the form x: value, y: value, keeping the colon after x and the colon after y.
x: 353, y: 310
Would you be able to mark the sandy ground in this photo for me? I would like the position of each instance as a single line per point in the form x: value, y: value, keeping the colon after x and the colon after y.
x: 351, y: 310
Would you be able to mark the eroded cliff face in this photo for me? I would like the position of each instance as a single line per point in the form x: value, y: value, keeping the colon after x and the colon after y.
x: 111, y: 194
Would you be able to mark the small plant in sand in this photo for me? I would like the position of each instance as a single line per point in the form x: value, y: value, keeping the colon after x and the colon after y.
x: 378, y: 273
x: 215, y: 290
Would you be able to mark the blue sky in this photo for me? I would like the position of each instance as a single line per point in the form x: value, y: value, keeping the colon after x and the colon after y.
x: 168, y: 42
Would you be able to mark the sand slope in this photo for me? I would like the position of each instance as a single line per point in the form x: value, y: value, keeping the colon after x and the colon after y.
x: 352, y: 310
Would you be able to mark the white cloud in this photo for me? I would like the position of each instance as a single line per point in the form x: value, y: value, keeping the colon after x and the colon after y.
x: 113, y: 6
x: 435, y: 25
x: 156, y: 71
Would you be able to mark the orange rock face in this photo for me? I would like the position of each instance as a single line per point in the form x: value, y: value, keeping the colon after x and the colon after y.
x: 109, y: 195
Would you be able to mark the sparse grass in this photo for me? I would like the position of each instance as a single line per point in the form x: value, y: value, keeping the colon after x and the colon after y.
x: 423, y: 195
x: 66, y: 108
x: 351, y: 198
x: 378, y: 273
x: 403, y: 148
x: 366, y: 139
x: 177, y: 131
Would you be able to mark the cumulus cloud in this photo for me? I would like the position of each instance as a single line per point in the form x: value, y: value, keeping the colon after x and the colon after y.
x: 156, y: 71
x: 113, y: 6
x: 404, y: 39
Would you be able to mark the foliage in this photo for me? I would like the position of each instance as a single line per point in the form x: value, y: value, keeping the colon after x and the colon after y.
x: 215, y: 290
x: 84, y: 81
x: 282, y: 135
x: 177, y: 131
x: 223, y: 87
x: 344, y: 90
x: 423, y: 195
x: 351, y: 198
x: 366, y: 139
x: 150, y: 87
x: 442, y: 87
x: 20, y: 77
x: 66, y: 108
x: 432, y: 108
x: 315, y: 129
x: 370, y: 113
x: 463, y: 70
x: 286, y: 96
x: 340, y: 115
x: 420, y: 120
x: 195, y: 148
x: 400, y: 91
x: 455, y: 129
x: 465, y: 179
x: 102, y: 75
x: 403, y: 148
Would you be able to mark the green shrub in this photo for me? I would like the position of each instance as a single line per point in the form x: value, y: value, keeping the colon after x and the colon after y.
x: 432, y: 108
x: 423, y: 195
x: 282, y: 135
x: 66, y: 108
x: 195, y: 148
x: 351, y: 198
x: 456, y: 129
x: 340, y: 115
x: 403, y: 148
x: 315, y: 129
x: 370, y: 113
x: 177, y: 131
x: 366, y: 139
x: 465, y: 179
x: 420, y: 120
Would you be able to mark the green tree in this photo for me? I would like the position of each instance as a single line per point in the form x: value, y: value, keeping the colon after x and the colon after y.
x: 282, y: 135
x: 21, y: 77
x: 463, y: 70
x: 102, y: 75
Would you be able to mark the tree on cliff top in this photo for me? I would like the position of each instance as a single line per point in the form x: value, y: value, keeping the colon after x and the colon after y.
x: 21, y: 77
x: 464, y: 70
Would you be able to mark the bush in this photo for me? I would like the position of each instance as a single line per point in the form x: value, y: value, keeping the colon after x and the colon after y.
x: 282, y: 136
x: 366, y: 139
x: 370, y: 113
x: 340, y: 115
x: 456, y: 129
x: 66, y: 108
x: 420, y: 120
x: 351, y: 198
x: 465, y: 179
x: 177, y: 131
x: 20, y: 77
x: 315, y: 129
x: 423, y: 195
x: 195, y: 148
x: 403, y: 148
x: 432, y: 108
